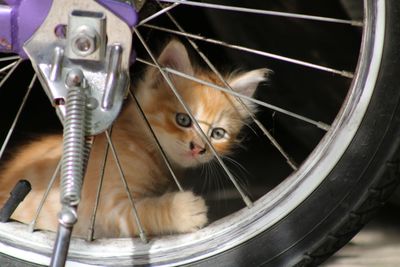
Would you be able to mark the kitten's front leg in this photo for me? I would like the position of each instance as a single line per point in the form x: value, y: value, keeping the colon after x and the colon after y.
x: 177, y: 212
x: 187, y: 212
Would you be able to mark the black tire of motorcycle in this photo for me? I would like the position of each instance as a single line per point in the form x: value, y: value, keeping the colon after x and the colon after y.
x: 361, y: 182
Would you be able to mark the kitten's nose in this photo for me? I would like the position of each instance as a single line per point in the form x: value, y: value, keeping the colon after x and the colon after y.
x: 196, y: 149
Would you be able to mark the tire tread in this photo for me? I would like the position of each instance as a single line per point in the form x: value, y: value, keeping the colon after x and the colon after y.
x: 363, y: 212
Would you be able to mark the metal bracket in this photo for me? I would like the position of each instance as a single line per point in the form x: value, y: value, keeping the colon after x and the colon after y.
x: 83, y: 35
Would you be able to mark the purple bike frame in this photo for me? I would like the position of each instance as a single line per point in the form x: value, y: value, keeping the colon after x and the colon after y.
x: 19, y: 19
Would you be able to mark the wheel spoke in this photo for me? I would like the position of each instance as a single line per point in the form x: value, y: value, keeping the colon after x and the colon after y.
x: 9, y: 66
x: 245, y: 198
x: 318, y: 124
x: 343, y: 73
x: 90, y: 236
x: 157, y: 14
x: 162, y: 152
x: 56, y: 173
x: 265, y: 12
x: 14, y: 123
x: 9, y: 58
x: 128, y: 191
x: 13, y: 68
x: 290, y: 162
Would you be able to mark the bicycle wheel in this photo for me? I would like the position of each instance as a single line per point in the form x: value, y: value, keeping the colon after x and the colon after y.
x: 344, y: 132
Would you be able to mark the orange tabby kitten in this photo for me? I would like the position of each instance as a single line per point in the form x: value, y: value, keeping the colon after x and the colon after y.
x: 161, y: 210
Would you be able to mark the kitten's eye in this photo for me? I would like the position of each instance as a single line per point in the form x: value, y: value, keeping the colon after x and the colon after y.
x: 183, y: 120
x: 218, y: 133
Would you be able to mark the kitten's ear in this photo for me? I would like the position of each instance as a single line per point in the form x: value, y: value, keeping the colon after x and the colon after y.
x: 175, y: 56
x: 247, y: 83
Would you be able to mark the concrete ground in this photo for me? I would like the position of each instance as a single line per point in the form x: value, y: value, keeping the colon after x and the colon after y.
x: 377, y: 245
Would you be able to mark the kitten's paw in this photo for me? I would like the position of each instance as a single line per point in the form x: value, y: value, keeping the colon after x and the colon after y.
x: 188, y: 212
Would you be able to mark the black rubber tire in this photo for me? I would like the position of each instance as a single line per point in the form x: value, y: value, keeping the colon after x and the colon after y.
x: 356, y: 188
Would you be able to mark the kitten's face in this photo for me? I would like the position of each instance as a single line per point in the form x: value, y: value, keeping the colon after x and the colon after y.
x: 220, y: 116
x: 214, y: 112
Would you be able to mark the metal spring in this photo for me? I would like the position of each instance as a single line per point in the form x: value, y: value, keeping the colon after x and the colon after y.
x: 75, y: 150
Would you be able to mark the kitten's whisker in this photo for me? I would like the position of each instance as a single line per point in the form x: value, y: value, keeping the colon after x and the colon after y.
x: 161, y: 150
x: 239, y: 145
x: 243, y: 182
x: 203, y: 177
x: 212, y: 171
x: 201, y: 170
x: 142, y: 234
x: 211, y: 185
x: 245, y: 123
x: 220, y: 184
x: 210, y: 181
x: 250, y: 126
x: 239, y: 171
x: 245, y: 198
x: 32, y: 224
x: 219, y: 191
x: 13, y: 68
x: 90, y: 236
x: 14, y: 123
x: 237, y: 164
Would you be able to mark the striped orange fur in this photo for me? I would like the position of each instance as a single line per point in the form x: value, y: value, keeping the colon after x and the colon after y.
x: 161, y: 210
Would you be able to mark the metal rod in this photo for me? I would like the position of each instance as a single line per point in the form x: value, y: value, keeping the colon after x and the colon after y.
x: 157, y: 14
x: 142, y: 234
x: 162, y: 152
x: 61, y: 246
x: 266, y: 12
x: 32, y: 224
x: 90, y: 236
x: 55, y: 71
x: 245, y: 198
x: 275, y: 143
x: 319, y: 124
x: 2, y: 82
x: 9, y: 58
x: 343, y: 73
x: 112, y: 77
x: 9, y: 66
x: 22, y: 105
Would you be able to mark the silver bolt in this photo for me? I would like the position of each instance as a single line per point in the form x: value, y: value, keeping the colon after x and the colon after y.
x: 74, y: 78
x: 84, y: 41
